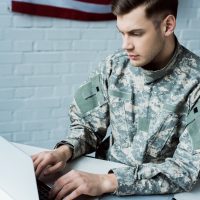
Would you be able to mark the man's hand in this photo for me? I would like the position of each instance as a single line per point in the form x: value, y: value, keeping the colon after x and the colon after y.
x: 49, y: 162
x: 76, y: 183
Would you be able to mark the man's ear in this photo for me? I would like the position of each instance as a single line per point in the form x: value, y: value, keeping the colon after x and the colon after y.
x: 168, y: 25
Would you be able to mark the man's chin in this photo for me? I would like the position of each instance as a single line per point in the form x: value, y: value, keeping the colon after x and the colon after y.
x: 136, y: 64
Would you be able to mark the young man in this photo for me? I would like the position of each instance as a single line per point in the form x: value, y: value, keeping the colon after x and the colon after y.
x: 148, y: 93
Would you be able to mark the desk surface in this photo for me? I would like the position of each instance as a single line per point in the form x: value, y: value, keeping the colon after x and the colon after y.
x: 102, y: 166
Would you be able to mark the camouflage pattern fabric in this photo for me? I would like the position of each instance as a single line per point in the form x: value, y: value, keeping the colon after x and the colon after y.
x: 153, y: 116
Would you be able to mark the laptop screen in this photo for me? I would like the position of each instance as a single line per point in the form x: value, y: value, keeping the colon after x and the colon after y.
x: 17, y: 173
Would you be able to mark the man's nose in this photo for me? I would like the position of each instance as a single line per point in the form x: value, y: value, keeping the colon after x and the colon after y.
x: 127, y: 43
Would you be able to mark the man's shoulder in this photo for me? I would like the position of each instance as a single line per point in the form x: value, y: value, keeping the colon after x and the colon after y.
x: 110, y: 64
x: 190, y: 58
x: 118, y: 56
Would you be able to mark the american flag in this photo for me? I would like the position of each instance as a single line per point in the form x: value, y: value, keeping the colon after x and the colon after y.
x: 91, y: 10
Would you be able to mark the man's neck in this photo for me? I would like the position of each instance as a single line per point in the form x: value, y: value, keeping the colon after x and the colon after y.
x: 163, y: 60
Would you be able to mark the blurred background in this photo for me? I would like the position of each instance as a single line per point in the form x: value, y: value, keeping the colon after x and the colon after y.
x: 44, y: 60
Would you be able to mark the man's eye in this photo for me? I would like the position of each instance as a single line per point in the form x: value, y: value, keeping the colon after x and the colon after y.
x: 136, y: 34
x: 132, y: 34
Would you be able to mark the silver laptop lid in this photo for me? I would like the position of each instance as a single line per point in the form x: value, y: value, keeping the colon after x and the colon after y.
x: 4, y: 195
x: 17, y: 173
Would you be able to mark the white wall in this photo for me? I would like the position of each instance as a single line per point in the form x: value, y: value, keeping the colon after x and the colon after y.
x: 43, y: 60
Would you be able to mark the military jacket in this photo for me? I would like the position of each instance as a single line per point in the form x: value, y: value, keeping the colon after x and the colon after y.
x: 154, y: 117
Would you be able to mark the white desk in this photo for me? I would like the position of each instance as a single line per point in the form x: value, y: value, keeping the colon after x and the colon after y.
x: 93, y: 165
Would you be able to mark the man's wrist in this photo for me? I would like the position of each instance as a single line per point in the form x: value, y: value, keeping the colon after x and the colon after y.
x: 110, y: 183
x: 65, y: 151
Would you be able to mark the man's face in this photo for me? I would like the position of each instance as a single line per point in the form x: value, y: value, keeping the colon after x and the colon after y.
x: 142, y: 40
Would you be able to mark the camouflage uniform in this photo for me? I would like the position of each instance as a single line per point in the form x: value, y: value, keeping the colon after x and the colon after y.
x: 154, y: 119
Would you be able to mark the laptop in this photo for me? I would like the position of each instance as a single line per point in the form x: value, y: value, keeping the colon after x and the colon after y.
x: 17, y: 176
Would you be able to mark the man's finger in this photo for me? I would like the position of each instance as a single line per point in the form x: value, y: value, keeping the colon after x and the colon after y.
x: 40, y: 168
x: 76, y: 193
x: 53, y: 169
x: 54, y: 191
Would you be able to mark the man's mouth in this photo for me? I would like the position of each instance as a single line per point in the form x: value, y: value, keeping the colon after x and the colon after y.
x: 133, y: 56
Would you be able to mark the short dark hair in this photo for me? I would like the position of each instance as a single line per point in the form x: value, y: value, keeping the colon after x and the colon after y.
x: 153, y: 7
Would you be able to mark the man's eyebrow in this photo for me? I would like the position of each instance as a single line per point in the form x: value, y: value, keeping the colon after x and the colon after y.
x: 131, y: 31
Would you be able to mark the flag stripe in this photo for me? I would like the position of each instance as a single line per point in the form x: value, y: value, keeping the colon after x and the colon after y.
x: 72, y: 4
x: 96, y: 1
x: 51, y: 11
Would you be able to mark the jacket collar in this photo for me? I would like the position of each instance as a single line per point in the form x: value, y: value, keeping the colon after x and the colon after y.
x: 151, y: 76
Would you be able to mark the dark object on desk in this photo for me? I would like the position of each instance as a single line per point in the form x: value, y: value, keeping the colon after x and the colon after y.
x: 43, y: 190
x: 173, y: 199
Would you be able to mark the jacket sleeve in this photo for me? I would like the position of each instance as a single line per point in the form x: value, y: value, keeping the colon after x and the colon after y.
x: 89, y: 114
x: 176, y: 174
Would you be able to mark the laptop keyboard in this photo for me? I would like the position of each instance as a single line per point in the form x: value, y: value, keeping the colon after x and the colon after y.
x: 43, y: 190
